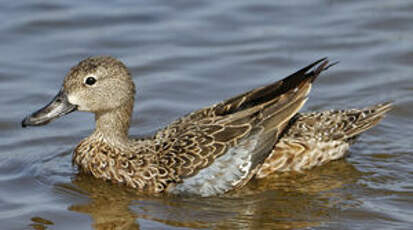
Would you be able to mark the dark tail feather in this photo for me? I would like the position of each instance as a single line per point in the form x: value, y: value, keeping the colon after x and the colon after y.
x: 269, y: 92
x: 294, y: 79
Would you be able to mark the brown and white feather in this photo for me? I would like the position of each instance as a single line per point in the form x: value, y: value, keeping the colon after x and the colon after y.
x: 314, y: 139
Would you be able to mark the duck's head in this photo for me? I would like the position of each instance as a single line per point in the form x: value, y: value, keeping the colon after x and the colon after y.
x: 97, y: 84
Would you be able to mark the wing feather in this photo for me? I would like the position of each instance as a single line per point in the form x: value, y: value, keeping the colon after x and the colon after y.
x: 250, y: 122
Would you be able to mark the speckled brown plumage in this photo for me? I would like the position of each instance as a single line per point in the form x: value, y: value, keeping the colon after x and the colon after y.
x: 314, y: 139
x: 212, y: 150
x: 193, y: 142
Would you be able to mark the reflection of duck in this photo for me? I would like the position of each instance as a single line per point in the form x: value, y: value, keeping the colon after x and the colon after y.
x: 113, y: 207
x: 320, y: 179
x: 286, y: 200
x: 108, y: 205
x: 212, y: 150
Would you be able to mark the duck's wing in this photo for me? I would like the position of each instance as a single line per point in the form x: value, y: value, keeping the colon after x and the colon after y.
x: 314, y: 139
x: 257, y: 96
x: 218, y: 148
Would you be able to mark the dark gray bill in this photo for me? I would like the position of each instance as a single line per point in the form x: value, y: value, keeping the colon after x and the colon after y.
x: 58, y: 107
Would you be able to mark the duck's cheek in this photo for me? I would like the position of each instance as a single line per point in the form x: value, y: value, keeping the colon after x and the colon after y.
x: 74, y: 100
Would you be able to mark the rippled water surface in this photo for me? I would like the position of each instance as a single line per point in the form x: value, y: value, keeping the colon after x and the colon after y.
x: 188, y: 54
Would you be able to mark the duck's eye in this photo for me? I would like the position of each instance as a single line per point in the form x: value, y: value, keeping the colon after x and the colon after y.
x: 90, y: 80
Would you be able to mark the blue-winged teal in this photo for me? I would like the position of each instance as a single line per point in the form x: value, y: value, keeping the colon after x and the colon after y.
x: 212, y: 150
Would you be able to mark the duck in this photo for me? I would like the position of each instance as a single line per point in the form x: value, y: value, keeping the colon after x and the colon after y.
x: 213, y: 150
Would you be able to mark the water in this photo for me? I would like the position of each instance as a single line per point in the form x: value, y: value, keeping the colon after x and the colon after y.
x: 188, y: 54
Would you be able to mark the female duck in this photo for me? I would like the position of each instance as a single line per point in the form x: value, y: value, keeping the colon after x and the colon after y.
x: 212, y: 150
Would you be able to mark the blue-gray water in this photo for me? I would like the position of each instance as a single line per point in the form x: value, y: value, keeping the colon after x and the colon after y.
x: 188, y: 54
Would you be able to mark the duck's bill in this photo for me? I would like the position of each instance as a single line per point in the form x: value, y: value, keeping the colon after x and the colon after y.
x: 58, y: 107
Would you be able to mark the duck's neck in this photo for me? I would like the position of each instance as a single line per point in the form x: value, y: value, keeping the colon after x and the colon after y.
x: 113, y: 126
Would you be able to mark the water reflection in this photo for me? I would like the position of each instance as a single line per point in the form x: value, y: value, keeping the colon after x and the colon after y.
x: 40, y: 223
x: 289, y: 200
